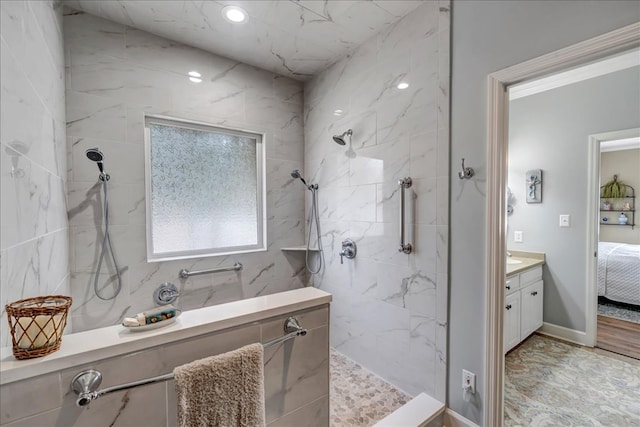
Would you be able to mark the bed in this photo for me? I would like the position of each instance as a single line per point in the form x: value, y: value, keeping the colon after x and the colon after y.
x: 619, y: 272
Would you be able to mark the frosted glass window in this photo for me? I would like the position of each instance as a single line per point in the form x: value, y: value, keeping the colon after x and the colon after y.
x: 204, y: 190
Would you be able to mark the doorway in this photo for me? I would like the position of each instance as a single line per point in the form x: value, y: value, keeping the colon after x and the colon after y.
x: 497, y: 137
x: 618, y: 269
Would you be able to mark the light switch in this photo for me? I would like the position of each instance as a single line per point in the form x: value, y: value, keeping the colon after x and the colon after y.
x: 517, y: 237
x: 565, y: 220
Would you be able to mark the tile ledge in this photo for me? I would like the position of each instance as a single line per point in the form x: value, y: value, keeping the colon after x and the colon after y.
x: 95, y: 344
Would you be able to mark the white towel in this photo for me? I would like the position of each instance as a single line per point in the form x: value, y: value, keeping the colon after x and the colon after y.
x: 226, y: 390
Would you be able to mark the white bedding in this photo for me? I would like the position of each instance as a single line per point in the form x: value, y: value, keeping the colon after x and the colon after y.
x: 619, y: 272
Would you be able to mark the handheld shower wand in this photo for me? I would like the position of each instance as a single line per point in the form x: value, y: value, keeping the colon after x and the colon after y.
x: 297, y: 175
x: 313, y: 216
x: 94, y: 154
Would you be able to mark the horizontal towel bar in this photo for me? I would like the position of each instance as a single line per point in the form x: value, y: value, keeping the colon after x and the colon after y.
x: 184, y: 273
x: 85, y: 384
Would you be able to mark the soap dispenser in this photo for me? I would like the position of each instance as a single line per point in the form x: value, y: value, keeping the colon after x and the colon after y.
x: 622, y: 219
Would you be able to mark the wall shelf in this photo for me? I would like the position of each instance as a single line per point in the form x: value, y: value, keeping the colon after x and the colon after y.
x: 299, y: 249
x: 619, y: 205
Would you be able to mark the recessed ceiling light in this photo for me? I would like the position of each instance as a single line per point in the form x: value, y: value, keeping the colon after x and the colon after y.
x: 195, y: 79
x: 338, y: 112
x: 195, y: 74
x: 234, y: 14
x: 403, y: 85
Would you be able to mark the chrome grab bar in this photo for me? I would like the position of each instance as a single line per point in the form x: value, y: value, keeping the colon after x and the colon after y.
x: 404, y: 184
x: 184, y: 273
x: 85, y: 384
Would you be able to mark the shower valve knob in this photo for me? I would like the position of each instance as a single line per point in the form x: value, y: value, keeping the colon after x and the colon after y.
x: 349, y: 250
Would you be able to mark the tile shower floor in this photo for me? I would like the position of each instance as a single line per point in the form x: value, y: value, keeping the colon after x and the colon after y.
x: 359, y: 397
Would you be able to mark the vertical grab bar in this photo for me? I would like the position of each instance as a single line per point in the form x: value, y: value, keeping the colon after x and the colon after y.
x: 404, y: 184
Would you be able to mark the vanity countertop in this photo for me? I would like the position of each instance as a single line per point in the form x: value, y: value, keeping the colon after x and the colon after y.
x: 529, y: 260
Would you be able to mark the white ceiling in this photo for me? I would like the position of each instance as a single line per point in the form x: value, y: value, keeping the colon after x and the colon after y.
x: 295, y: 38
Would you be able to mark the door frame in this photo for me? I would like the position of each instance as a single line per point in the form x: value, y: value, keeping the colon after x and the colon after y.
x: 497, y: 145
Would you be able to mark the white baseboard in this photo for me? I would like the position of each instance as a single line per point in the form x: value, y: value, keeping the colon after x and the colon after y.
x: 566, y: 334
x: 454, y: 419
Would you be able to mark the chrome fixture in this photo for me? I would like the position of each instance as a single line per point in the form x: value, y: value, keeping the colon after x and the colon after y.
x: 313, y: 216
x: 404, y: 184
x: 466, y: 173
x: 339, y: 139
x: 165, y: 294
x: 291, y: 325
x: 297, y: 175
x: 349, y: 250
x: 184, y: 273
x: 85, y: 384
x: 95, y: 155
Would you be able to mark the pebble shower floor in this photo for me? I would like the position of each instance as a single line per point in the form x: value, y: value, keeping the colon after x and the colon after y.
x: 359, y: 397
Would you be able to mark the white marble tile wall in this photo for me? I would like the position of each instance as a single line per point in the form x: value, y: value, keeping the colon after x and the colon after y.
x: 390, y: 309
x: 115, y: 74
x: 296, y: 375
x: 34, y: 226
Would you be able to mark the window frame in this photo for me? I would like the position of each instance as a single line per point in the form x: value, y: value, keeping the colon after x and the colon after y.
x: 261, y: 210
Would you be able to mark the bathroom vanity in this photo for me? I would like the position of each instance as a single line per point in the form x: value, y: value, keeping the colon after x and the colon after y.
x: 523, y: 299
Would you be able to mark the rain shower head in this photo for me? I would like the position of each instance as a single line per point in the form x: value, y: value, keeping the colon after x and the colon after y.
x: 94, y: 154
x: 339, y: 139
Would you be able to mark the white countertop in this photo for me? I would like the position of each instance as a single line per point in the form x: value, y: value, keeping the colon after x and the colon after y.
x: 527, y: 260
x: 87, y: 346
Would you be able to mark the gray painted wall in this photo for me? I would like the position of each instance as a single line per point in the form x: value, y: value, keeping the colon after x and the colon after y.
x: 550, y: 131
x: 488, y: 36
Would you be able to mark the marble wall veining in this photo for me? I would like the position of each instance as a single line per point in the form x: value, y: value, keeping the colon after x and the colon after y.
x: 390, y: 309
x: 116, y: 74
x: 34, y: 237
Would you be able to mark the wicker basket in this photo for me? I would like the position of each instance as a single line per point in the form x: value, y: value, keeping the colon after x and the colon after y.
x: 37, y: 324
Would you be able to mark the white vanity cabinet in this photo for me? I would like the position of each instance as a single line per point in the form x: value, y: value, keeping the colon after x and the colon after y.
x: 530, y: 309
x: 523, y: 306
x: 511, y: 321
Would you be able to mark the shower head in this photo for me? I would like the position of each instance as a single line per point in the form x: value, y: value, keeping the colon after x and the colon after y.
x: 296, y: 175
x: 339, y: 139
x: 94, y: 154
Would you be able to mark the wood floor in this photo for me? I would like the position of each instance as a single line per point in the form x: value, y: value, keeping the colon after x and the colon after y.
x: 619, y: 336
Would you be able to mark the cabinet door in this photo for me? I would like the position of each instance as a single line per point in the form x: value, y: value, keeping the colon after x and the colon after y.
x: 531, y: 308
x: 511, y: 321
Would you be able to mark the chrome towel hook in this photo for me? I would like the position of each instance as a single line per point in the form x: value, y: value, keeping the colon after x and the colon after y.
x: 466, y: 173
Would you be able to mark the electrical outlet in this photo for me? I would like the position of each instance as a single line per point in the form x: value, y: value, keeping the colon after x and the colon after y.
x: 469, y: 381
x: 518, y: 236
x: 565, y: 220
